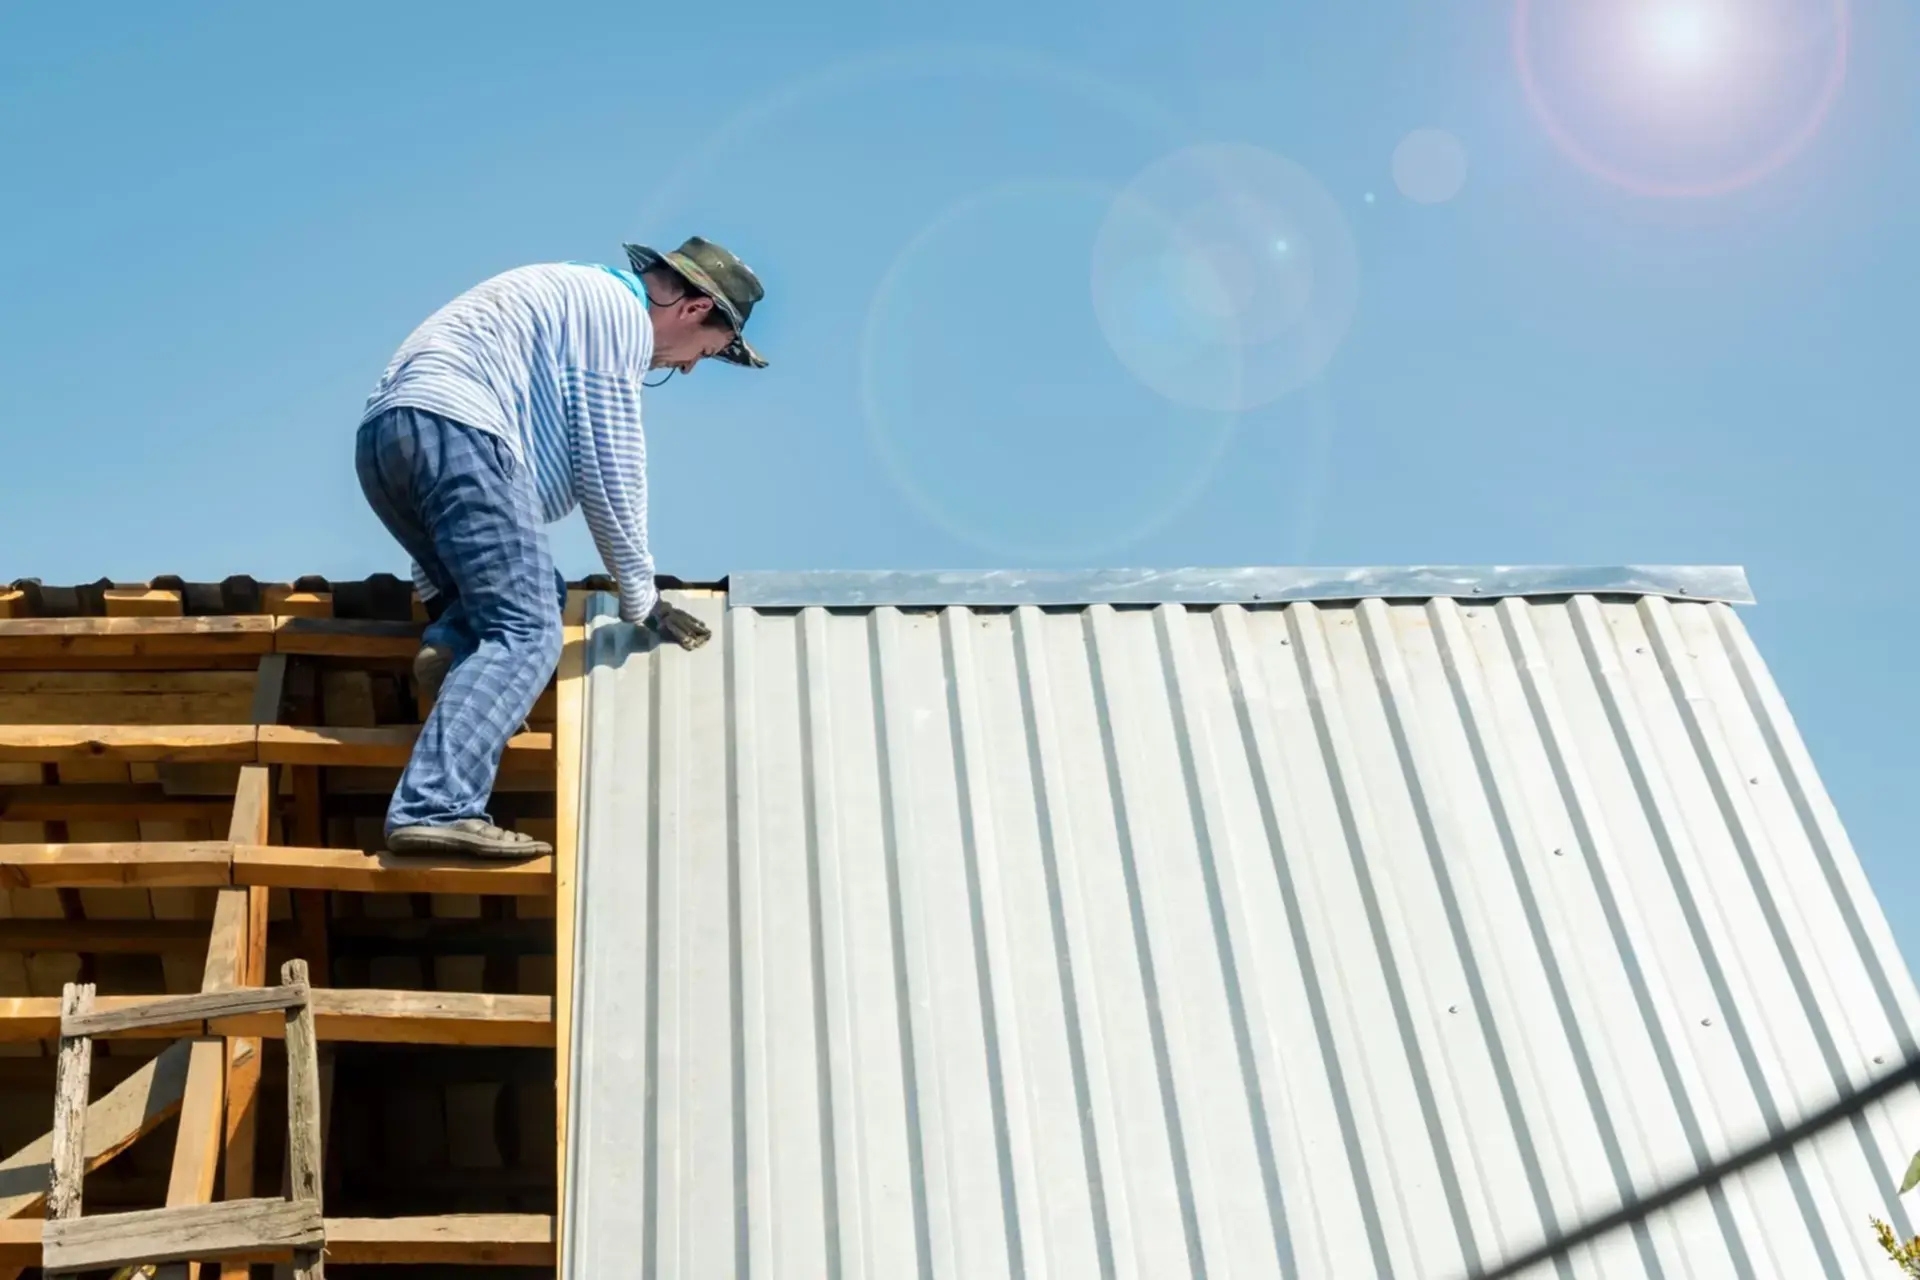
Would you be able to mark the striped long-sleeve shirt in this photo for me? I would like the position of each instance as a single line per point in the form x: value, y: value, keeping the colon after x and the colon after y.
x: 549, y: 358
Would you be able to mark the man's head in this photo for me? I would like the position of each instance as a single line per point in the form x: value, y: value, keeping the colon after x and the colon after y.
x: 699, y: 297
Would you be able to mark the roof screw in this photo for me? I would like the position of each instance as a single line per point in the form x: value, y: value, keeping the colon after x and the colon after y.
x: 1706, y: 1022
x: 1754, y: 781
x: 1683, y: 591
x: 1453, y: 1008
x: 1559, y: 853
x: 1640, y: 650
x: 1879, y: 1061
x: 1479, y: 590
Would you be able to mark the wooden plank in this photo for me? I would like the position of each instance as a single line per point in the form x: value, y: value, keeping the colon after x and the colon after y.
x: 237, y: 1228
x: 67, y: 1143
x: 159, y: 1012
x: 283, y: 601
x: 132, y: 684
x: 61, y: 744
x: 350, y: 870
x: 110, y: 708
x: 413, y: 1017
x: 138, y: 1105
x: 236, y: 957
x: 104, y: 937
x: 38, y: 1017
x: 196, y: 1150
x: 143, y: 602
x: 166, y: 864
x: 252, y: 806
x: 226, y: 942
x: 303, y: 1111
x: 391, y: 746
x: 176, y: 662
x: 477, y: 1240
x: 340, y: 638
x: 135, y: 637
x: 12, y: 603
x: 482, y: 1239
x: 570, y: 686
x: 340, y: 1014
x: 107, y: 802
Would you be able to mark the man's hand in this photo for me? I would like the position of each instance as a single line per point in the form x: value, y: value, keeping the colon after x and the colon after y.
x: 678, y: 626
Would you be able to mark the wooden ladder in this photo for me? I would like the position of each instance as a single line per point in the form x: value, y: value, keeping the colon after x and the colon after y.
x: 236, y: 1229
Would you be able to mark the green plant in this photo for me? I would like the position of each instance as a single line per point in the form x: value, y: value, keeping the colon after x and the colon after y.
x: 1907, y: 1254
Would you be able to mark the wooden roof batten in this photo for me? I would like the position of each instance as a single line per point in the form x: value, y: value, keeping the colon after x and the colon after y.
x: 209, y: 1078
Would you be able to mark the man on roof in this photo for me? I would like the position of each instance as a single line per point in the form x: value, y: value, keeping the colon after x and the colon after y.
x: 512, y: 405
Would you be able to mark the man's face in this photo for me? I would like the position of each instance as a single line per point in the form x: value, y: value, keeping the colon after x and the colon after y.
x: 682, y: 336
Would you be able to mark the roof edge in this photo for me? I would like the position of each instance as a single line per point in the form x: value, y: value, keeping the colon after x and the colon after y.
x: 862, y: 588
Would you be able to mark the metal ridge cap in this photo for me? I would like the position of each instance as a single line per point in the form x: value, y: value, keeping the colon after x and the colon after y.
x: 1002, y: 588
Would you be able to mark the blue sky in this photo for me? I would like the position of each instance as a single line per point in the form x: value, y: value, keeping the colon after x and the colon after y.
x: 220, y: 220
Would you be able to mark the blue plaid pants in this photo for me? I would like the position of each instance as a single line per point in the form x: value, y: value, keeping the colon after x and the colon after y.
x: 465, y: 509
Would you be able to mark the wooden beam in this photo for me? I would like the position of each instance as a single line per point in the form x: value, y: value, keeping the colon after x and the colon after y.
x: 103, y: 937
x: 237, y: 1228
x: 478, y: 1240
x: 134, y: 744
x: 347, y: 869
x: 216, y: 863
x: 107, y: 802
x: 570, y: 687
x: 413, y: 1017
x: 124, y: 709
x: 340, y: 1014
x: 135, y: 637
x: 303, y: 1112
x: 236, y: 957
x: 340, y: 638
x: 138, y: 1105
x: 284, y: 601
x: 196, y: 1148
x: 12, y: 603
x: 143, y: 602
x: 67, y: 1143
x: 157, y: 1013
x: 162, y: 864
x: 391, y: 746
x: 481, y: 1239
x: 38, y: 1017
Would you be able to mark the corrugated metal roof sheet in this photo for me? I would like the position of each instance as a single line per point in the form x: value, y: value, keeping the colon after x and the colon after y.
x: 1324, y: 941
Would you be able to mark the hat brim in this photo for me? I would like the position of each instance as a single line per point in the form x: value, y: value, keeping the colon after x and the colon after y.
x: 739, y: 351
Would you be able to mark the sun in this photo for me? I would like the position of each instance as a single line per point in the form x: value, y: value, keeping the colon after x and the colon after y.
x: 1685, y: 36
x: 1682, y: 98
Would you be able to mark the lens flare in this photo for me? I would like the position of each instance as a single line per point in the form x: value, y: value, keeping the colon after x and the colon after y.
x: 1224, y: 277
x: 1429, y: 166
x: 1682, y: 98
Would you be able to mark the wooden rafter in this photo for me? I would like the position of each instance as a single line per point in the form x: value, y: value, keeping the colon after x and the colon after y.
x: 340, y: 1014
x: 233, y: 744
x: 494, y: 1239
x: 217, y: 864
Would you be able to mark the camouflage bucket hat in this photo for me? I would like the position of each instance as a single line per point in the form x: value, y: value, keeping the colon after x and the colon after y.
x: 711, y: 270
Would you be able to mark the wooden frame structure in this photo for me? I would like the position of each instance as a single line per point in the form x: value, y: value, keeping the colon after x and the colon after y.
x: 129, y: 742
